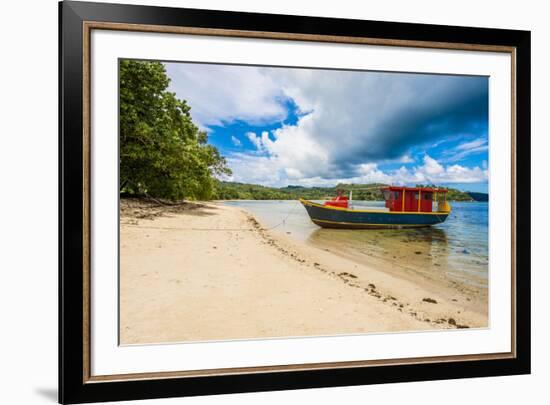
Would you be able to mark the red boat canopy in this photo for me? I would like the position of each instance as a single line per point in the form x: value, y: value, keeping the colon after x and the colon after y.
x: 411, y: 199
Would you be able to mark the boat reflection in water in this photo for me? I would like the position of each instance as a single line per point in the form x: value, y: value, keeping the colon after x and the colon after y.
x: 415, y: 251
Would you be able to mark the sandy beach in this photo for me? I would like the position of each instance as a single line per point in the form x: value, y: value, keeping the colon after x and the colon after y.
x: 207, y: 271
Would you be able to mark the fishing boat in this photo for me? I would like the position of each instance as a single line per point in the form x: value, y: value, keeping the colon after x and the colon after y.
x: 405, y: 207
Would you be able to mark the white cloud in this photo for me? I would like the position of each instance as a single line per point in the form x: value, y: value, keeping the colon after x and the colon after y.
x: 235, y: 141
x: 406, y: 159
x: 256, y: 169
x: 431, y: 172
x: 467, y: 149
x: 472, y: 145
x: 259, y: 141
x: 271, y: 171
x: 222, y: 93
x: 295, y: 150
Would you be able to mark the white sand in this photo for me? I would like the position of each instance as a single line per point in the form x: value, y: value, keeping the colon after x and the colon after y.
x: 182, y: 283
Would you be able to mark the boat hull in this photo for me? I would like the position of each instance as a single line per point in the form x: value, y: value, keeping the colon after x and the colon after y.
x: 342, y: 218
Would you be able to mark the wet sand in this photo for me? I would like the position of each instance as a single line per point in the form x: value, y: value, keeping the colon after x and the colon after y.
x: 207, y: 271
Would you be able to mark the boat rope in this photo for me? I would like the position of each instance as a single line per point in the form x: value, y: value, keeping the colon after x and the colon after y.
x: 439, y: 218
x: 283, y: 222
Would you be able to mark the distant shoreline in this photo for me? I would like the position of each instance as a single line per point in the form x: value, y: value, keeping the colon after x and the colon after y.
x: 367, y: 192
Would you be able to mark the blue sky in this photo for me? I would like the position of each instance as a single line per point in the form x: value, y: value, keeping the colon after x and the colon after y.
x: 313, y: 127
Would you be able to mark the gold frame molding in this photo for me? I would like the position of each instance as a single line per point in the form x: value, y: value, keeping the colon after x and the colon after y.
x: 88, y: 26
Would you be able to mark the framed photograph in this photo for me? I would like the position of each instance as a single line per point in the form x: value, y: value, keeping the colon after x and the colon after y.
x: 254, y: 202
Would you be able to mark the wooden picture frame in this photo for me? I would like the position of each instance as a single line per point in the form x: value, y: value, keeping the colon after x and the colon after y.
x: 78, y: 19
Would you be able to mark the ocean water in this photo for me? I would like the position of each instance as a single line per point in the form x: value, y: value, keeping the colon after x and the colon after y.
x: 456, y: 250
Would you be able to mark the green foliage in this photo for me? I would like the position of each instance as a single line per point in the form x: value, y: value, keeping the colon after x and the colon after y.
x: 457, y: 195
x: 479, y: 196
x: 241, y: 191
x: 453, y: 194
x: 372, y: 192
x: 162, y: 153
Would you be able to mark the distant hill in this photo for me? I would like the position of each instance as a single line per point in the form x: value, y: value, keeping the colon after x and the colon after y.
x: 242, y: 191
x: 478, y: 196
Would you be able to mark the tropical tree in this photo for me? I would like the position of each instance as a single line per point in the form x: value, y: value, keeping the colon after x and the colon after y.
x: 162, y: 152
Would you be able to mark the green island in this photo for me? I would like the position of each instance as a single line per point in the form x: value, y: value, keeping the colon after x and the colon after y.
x: 240, y: 191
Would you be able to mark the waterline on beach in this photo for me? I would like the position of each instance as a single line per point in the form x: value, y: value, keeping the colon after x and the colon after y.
x: 455, y: 251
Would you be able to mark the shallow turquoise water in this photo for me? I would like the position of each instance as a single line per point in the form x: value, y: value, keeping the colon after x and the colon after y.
x: 456, y: 250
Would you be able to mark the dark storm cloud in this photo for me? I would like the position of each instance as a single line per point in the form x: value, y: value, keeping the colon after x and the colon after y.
x: 436, y: 107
